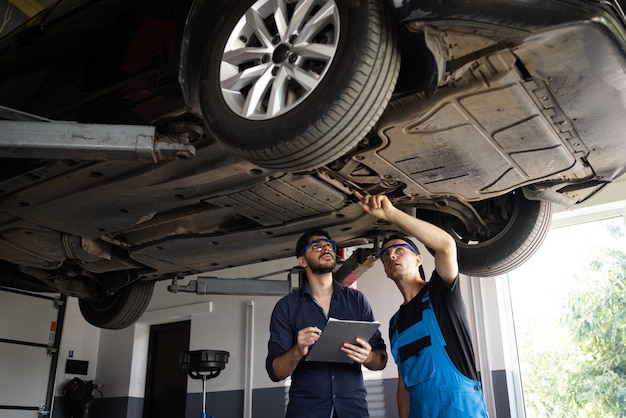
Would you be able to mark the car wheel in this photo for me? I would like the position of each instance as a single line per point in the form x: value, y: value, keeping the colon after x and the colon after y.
x: 293, y: 85
x: 119, y: 310
x: 516, y: 227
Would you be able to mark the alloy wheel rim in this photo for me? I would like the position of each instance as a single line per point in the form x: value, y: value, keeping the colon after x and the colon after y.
x: 277, y: 55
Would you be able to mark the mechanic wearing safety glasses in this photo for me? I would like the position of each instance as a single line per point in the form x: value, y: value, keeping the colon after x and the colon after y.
x: 430, y: 339
x: 321, y: 389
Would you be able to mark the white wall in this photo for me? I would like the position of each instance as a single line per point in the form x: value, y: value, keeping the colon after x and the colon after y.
x: 218, y: 322
x: 80, y: 338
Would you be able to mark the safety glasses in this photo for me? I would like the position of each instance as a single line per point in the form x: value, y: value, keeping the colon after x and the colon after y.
x: 396, y: 250
x: 319, y: 245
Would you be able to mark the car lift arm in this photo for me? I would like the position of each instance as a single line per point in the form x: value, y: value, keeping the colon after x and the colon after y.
x: 351, y: 269
x: 204, y: 285
x: 29, y: 136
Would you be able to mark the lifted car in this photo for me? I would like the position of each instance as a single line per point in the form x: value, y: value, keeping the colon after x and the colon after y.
x: 147, y: 141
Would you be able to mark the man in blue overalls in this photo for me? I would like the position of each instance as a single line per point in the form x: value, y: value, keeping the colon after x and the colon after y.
x: 429, y: 335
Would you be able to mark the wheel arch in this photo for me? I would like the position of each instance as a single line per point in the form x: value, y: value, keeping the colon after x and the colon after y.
x: 515, y: 238
x: 203, y: 14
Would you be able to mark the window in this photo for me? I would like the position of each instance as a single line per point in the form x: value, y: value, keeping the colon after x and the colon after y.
x: 569, y: 311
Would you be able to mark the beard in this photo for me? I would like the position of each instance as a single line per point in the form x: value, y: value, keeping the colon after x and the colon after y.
x: 319, y: 266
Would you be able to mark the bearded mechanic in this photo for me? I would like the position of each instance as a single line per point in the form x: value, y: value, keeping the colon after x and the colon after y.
x: 321, y: 389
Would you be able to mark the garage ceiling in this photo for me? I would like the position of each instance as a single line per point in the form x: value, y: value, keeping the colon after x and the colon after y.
x: 28, y: 7
x: 16, y: 12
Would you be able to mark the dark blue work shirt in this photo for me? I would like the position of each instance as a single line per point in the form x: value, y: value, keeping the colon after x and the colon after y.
x: 317, y: 386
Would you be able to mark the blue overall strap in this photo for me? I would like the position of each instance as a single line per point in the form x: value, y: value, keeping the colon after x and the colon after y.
x: 417, y: 314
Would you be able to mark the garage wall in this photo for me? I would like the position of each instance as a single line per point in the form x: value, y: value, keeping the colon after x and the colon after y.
x: 79, y: 341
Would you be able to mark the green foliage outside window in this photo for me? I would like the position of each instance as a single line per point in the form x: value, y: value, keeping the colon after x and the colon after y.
x: 579, y: 369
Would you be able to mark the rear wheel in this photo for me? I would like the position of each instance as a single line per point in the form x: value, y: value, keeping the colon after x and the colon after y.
x: 293, y: 85
x: 516, y: 228
x: 119, y: 310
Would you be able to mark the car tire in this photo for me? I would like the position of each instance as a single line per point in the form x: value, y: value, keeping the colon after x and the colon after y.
x: 345, y: 94
x: 119, y: 310
x: 513, y: 241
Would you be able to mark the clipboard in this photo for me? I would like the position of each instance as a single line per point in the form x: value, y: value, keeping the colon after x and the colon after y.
x: 339, y: 331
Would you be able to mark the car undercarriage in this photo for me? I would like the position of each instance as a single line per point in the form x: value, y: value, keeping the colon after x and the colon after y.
x: 100, y: 198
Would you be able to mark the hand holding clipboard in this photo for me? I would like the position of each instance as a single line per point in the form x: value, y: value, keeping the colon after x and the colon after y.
x: 335, y: 334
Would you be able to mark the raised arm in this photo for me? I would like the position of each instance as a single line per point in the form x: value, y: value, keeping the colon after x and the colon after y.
x: 428, y: 234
